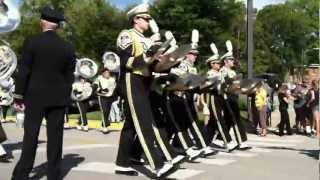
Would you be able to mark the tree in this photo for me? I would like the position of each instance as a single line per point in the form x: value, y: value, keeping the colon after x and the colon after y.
x: 92, y: 26
x: 217, y: 21
x: 283, y: 32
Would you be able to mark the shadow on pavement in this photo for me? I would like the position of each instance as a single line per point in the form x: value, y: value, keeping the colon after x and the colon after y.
x: 69, y: 161
x: 16, y: 146
x: 313, y: 153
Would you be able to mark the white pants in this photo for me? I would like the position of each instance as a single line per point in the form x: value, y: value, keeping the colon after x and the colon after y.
x: 115, y: 111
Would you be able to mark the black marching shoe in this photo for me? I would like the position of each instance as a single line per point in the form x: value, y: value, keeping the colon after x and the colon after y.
x: 138, y: 162
x: 6, y: 158
x: 179, y: 159
x: 243, y: 147
x: 208, y: 151
x: 165, y: 170
x: 128, y: 171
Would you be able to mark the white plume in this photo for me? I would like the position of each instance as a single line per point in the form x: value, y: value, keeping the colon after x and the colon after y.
x: 153, y: 26
x: 229, y: 46
x: 169, y: 35
x: 229, y: 52
x: 195, y: 36
x: 214, y: 49
x: 173, y: 44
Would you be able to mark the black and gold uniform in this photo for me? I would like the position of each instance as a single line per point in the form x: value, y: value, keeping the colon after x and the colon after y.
x: 135, y: 80
x: 79, y: 89
x: 216, y: 124
x: 231, y: 107
x: 185, y: 113
x: 105, y: 89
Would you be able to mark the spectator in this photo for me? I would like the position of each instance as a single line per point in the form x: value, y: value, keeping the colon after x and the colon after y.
x: 261, y: 106
x: 283, y: 96
x: 313, y: 103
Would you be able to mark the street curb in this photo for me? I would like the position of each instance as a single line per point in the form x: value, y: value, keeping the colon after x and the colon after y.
x: 92, y: 124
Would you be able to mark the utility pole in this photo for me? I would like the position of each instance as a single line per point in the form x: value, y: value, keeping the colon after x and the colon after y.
x: 250, y: 38
x: 250, y: 52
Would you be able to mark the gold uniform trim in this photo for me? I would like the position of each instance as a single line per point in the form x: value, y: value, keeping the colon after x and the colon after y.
x: 81, y: 117
x: 129, y: 63
x: 102, y: 110
x: 235, y: 124
x: 194, y: 125
x: 136, y: 122
x: 161, y: 143
x: 213, y: 106
x: 181, y: 138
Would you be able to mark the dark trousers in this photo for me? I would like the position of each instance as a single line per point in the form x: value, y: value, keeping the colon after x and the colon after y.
x: 33, y: 118
x: 162, y: 124
x: 66, y: 117
x: 185, y: 116
x: 105, y: 107
x: 232, y: 116
x: 284, y: 122
x: 196, y: 128
x: 83, y: 107
x: 4, y: 111
x: 139, y: 122
x: 216, y: 122
x: 177, y: 124
x: 181, y: 120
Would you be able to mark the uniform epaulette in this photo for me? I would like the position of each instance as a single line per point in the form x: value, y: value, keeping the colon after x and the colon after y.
x: 124, y: 39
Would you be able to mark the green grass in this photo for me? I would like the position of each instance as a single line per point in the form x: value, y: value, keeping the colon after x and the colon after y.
x: 92, y: 116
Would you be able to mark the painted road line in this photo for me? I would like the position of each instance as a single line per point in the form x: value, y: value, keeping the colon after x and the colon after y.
x: 75, y: 147
x: 266, y: 144
x: 259, y: 150
x: 108, y: 168
x: 275, y: 140
x: 238, y: 154
x: 216, y: 161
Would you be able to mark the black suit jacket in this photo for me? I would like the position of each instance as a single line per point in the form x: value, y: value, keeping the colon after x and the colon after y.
x: 45, y: 71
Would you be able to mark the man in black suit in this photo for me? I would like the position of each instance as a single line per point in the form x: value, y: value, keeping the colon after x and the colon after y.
x: 43, y: 88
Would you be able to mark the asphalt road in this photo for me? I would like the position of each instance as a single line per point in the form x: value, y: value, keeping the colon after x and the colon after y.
x: 91, y: 155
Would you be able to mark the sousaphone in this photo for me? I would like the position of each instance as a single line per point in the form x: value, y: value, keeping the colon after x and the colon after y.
x: 9, y: 16
x: 111, y: 61
x: 85, y: 68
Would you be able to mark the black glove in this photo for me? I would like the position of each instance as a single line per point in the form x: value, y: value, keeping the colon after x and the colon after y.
x: 153, y: 50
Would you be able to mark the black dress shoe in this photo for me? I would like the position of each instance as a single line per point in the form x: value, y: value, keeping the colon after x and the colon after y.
x: 127, y: 173
x: 138, y: 162
x: 5, y: 159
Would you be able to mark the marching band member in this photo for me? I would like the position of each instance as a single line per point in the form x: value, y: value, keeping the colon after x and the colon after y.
x: 105, y: 86
x: 183, y: 105
x: 217, y: 123
x: 231, y: 106
x: 6, y: 94
x: 284, y: 97
x: 4, y: 156
x: 135, y: 80
x: 83, y: 105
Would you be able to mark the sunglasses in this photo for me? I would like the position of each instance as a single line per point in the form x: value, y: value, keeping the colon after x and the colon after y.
x: 195, y: 54
x: 146, y: 18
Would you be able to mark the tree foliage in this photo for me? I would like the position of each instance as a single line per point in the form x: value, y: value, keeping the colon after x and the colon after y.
x: 282, y: 32
x: 217, y: 21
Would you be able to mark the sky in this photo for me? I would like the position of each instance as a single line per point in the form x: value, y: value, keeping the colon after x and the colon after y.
x: 124, y: 3
x: 256, y: 3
